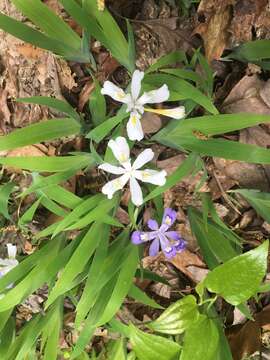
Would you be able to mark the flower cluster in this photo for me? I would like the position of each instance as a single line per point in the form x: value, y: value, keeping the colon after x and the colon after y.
x: 169, y: 241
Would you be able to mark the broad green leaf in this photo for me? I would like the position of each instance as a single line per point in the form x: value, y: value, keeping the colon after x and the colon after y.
x: 178, y: 317
x: 42, y: 131
x: 216, y: 243
x: 183, y: 170
x: 184, y: 74
x: 239, y: 278
x: 259, y: 200
x: 60, y: 105
x: 78, y: 261
x: 48, y: 164
x: 170, y: 59
x: 152, y: 347
x: 131, y: 46
x: 97, y: 105
x: 201, y: 341
x: 61, y: 195
x: 5, y: 191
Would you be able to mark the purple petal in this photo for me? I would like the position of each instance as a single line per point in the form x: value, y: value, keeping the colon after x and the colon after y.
x: 169, y: 218
x: 154, y: 247
x: 180, y: 246
x: 136, y: 237
x: 169, y: 252
x: 152, y: 224
x: 139, y: 237
x: 173, y: 235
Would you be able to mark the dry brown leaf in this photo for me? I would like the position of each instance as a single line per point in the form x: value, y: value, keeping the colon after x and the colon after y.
x: 216, y: 18
x: 85, y: 94
x: 151, y: 123
x: 245, y: 339
x: 185, y: 260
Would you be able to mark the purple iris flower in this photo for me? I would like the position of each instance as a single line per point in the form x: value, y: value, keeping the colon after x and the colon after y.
x: 171, y: 243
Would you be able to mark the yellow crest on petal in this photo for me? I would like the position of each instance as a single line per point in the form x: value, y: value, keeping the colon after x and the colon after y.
x: 101, y: 5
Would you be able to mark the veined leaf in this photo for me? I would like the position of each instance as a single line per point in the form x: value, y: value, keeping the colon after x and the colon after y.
x: 201, y: 341
x: 97, y: 105
x: 170, y: 59
x: 178, y: 317
x: 239, y: 278
x: 152, y: 347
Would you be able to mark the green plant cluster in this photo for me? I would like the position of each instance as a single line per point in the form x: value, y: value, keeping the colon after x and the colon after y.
x: 95, y: 271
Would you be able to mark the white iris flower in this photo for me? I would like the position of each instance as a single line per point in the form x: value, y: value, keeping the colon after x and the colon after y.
x: 135, y: 103
x: 129, y: 172
x: 8, y: 264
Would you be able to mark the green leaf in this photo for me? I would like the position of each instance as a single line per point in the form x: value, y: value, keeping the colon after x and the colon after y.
x: 48, y: 21
x: 252, y: 51
x: 225, y: 149
x: 131, y: 46
x: 170, y: 59
x: 183, y: 170
x: 239, y: 278
x: 5, y: 191
x: 216, y: 243
x: 117, y: 350
x: 122, y: 286
x: 78, y: 261
x: 48, y: 164
x: 210, y: 125
x: 60, y: 105
x: 201, y: 341
x: 152, y: 347
x: 7, y: 337
x: 260, y: 201
x: 42, y: 131
x: 140, y: 296
x: 102, y: 130
x: 178, y: 317
x: 97, y: 105
x: 183, y: 89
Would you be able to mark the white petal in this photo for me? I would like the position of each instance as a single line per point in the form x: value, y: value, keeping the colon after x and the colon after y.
x: 136, y: 83
x: 143, y: 158
x: 115, y: 92
x: 12, y: 251
x: 151, y: 176
x: 136, y: 192
x: 175, y: 113
x: 155, y: 96
x: 120, y: 149
x: 112, y: 186
x: 117, y: 170
x: 134, y: 127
